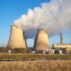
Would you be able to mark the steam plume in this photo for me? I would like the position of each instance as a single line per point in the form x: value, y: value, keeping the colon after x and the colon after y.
x: 55, y: 16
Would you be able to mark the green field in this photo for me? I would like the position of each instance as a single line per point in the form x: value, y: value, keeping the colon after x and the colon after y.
x: 17, y: 57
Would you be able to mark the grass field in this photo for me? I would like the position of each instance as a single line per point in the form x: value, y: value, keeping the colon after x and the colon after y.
x: 18, y: 57
x: 34, y: 62
x: 36, y: 65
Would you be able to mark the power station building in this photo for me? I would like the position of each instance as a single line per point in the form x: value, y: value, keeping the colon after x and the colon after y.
x: 66, y: 48
x: 41, y: 40
x: 41, y: 43
x: 16, y: 39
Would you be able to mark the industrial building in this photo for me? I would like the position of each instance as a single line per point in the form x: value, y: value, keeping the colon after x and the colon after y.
x: 16, y: 39
x: 41, y: 43
x: 41, y: 40
x: 65, y: 48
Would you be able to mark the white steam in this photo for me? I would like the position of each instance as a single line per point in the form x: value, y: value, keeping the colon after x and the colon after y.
x: 54, y: 16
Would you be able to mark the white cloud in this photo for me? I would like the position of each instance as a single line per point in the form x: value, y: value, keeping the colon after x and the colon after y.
x: 54, y: 16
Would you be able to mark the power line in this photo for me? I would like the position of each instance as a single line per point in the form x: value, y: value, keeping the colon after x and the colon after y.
x: 61, y: 7
x: 56, y: 18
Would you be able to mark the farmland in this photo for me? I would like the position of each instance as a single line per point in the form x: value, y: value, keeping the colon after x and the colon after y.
x: 27, y: 57
x: 36, y: 65
x: 34, y: 62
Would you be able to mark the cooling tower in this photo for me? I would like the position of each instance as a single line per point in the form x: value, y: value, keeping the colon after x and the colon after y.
x: 41, y: 40
x: 16, y: 40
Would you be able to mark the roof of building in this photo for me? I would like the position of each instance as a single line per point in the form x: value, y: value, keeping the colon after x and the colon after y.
x: 62, y: 45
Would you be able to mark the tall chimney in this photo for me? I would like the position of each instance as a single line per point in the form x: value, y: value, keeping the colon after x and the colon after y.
x: 61, y: 38
x: 16, y: 40
x: 41, y: 40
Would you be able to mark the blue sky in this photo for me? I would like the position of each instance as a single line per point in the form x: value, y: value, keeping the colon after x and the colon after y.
x: 13, y: 9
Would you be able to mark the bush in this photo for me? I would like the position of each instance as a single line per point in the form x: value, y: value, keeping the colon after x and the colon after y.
x: 20, y: 50
x: 15, y: 50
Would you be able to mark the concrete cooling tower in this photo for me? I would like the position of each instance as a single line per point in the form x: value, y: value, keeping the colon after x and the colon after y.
x: 41, y: 40
x: 16, y: 40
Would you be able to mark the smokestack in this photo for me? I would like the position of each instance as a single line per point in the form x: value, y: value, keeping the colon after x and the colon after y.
x: 41, y: 40
x: 16, y: 39
x: 61, y: 38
